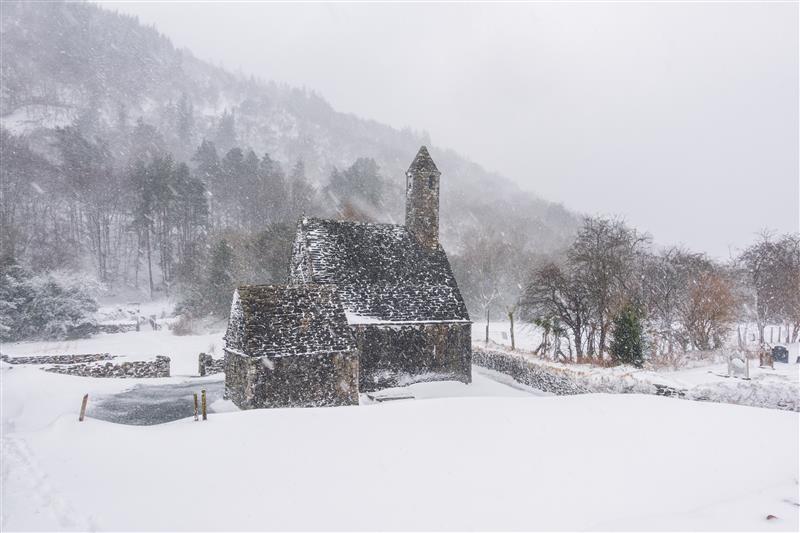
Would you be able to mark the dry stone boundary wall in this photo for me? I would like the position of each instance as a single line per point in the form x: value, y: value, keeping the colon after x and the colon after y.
x: 91, y: 365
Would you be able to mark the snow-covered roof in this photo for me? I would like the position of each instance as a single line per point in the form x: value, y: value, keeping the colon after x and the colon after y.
x: 280, y: 320
x: 382, y: 272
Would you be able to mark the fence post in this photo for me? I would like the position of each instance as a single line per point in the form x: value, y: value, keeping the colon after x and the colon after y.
x: 487, y: 325
x: 195, y: 407
x: 83, y: 407
x: 511, y: 318
x: 205, y: 416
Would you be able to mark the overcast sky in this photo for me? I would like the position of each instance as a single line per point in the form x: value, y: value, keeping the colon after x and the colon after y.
x: 681, y: 117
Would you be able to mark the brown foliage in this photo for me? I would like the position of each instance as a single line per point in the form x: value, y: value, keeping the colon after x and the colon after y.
x: 711, y: 310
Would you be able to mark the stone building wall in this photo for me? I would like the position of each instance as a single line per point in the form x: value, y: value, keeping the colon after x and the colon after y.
x: 302, y: 380
x: 422, y: 199
x: 394, y: 355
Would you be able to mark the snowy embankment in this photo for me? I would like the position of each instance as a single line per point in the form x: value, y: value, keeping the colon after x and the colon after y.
x: 770, y: 388
x: 776, y: 387
x: 514, y: 461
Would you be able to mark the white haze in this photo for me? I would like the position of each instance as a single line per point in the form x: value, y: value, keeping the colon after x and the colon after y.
x: 681, y: 117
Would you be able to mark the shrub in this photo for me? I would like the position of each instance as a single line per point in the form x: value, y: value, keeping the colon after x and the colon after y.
x: 627, y: 346
x: 45, y: 306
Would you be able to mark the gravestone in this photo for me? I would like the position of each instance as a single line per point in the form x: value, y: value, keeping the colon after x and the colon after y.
x: 780, y: 354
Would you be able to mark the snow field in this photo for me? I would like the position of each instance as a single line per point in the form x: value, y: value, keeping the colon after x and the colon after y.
x: 491, y: 455
x: 594, y: 461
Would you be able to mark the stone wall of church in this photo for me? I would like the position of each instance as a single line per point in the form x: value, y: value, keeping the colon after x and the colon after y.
x: 397, y: 355
x: 303, y: 380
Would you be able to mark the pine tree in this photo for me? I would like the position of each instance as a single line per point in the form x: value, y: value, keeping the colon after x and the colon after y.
x: 206, y: 162
x: 190, y: 216
x: 276, y: 194
x: 185, y: 121
x: 225, y: 138
x: 301, y: 191
x: 627, y: 346
x: 220, y: 280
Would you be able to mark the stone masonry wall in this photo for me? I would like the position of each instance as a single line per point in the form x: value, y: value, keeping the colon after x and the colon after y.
x: 422, y: 199
x: 207, y: 365
x: 394, y: 355
x: 57, y: 359
x: 133, y: 369
x: 303, y: 380
x: 527, y: 372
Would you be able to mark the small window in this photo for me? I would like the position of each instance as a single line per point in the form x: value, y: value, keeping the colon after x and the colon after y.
x: 430, y: 182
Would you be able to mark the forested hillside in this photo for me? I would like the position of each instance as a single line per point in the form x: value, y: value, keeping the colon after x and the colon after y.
x: 133, y: 160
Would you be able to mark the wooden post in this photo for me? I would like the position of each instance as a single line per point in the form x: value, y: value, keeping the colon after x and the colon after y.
x: 771, y: 331
x: 511, y: 318
x: 487, y: 326
x: 203, y: 393
x: 195, y: 407
x: 83, y: 407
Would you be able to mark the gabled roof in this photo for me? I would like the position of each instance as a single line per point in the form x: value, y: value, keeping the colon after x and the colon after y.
x: 382, y: 272
x: 423, y: 162
x: 280, y: 320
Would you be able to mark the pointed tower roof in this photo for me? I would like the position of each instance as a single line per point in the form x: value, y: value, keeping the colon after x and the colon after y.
x: 423, y: 162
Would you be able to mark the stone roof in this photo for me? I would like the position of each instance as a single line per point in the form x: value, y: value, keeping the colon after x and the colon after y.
x: 280, y: 320
x: 423, y: 162
x: 382, y: 272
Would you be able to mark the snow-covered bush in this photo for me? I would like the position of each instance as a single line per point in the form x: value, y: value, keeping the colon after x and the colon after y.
x: 182, y: 326
x: 45, y: 306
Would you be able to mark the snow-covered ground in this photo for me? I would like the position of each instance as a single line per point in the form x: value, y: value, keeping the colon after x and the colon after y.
x: 490, y: 455
x: 705, y: 378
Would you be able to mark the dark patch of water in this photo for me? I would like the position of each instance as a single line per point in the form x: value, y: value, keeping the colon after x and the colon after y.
x: 147, y: 405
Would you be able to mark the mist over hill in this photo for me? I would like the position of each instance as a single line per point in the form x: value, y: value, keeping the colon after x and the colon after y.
x: 104, y: 74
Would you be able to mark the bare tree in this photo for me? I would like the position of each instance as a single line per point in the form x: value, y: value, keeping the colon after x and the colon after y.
x: 773, y: 271
x: 555, y: 293
x: 606, y: 256
x: 710, y: 311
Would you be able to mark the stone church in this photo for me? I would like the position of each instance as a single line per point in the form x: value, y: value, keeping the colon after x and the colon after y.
x: 367, y: 306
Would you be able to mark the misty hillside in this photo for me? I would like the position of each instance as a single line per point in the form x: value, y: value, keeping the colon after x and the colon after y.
x: 99, y: 113
x: 76, y: 62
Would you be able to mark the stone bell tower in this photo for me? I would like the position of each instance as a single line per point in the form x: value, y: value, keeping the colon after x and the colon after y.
x: 422, y: 199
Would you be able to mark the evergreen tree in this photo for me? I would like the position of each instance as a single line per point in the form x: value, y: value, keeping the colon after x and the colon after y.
x: 43, y: 306
x: 227, y: 190
x: 146, y: 142
x: 359, y: 189
x: 14, y: 292
x: 220, y: 282
x: 276, y: 196
x: 143, y: 214
x: 206, y: 162
x: 627, y: 347
x: 225, y: 138
x: 251, y: 193
x: 190, y: 214
x: 185, y: 121
x: 301, y: 191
